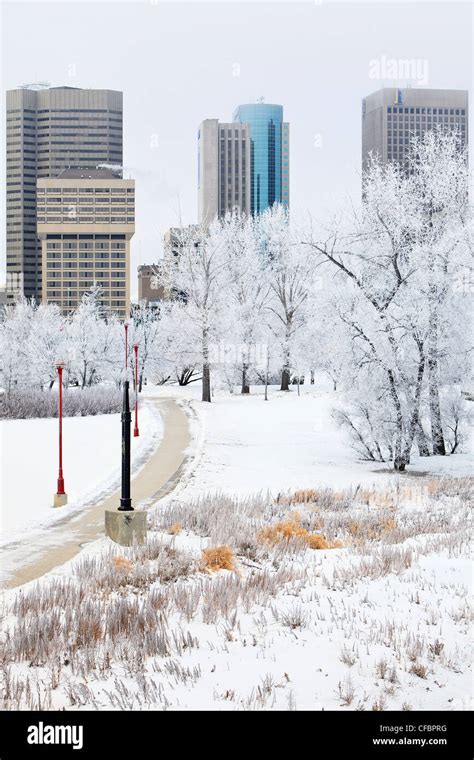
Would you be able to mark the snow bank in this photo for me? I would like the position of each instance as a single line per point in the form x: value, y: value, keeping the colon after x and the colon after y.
x: 91, y: 461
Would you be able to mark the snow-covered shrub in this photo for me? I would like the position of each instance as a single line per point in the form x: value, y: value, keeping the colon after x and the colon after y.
x: 26, y: 403
x: 217, y: 558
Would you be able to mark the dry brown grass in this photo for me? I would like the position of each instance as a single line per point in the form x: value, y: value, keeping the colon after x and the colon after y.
x: 419, y: 670
x: 217, y: 558
x: 291, y: 529
x: 361, y: 530
x: 305, y: 496
x: 175, y: 529
x: 122, y: 564
x: 317, y: 541
x: 374, y: 498
x: 326, y: 497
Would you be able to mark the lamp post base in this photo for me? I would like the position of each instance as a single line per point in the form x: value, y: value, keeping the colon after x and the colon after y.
x: 60, y: 499
x: 126, y: 528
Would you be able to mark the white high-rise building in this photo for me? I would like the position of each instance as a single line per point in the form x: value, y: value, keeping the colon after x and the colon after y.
x: 223, y: 169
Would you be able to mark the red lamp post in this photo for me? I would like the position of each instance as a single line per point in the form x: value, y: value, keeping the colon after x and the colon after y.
x: 60, y: 497
x: 135, y: 429
x: 126, y: 345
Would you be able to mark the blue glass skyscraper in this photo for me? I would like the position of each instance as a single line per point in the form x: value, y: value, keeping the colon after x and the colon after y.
x: 269, y: 154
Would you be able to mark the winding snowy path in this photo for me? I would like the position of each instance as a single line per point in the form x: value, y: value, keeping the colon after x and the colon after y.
x: 43, y: 549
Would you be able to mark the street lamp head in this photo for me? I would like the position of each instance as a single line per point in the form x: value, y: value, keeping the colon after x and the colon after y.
x: 135, y: 347
x: 60, y: 365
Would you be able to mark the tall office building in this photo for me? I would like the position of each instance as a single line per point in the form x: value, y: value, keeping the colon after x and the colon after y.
x: 223, y: 169
x: 269, y: 154
x: 391, y: 117
x: 50, y: 129
x: 85, y: 222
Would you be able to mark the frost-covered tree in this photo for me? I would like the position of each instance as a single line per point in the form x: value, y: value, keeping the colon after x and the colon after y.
x: 15, y: 330
x: 47, y: 344
x: 89, y: 340
x: 289, y: 268
x: 395, y: 262
x: 179, y: 353
x: 248, y: 293
x: 199, y: 274
x: 439, y: 169
x: 145, y: 331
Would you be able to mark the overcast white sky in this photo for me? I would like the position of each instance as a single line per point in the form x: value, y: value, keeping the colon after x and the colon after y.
x: 178, y: 63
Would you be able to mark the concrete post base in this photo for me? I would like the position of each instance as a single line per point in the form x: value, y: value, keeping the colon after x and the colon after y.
x: 60, y: 499
x: 126, y: 528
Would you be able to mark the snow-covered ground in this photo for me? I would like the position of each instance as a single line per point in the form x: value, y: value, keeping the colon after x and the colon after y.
x: 379, y: 621
x: 290, y: 441
x: 91, y: 464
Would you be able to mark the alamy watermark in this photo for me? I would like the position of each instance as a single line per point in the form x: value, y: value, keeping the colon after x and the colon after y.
x: 46, y: 734
x: 414, y: 70
x: 238, y: 354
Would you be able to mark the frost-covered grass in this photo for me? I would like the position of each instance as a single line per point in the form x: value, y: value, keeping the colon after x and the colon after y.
x: 379, y: 622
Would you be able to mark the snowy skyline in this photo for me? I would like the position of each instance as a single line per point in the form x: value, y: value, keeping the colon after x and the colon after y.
x: 176, y: 68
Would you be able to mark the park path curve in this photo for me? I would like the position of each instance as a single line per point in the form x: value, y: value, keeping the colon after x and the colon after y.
x: 46, y: 548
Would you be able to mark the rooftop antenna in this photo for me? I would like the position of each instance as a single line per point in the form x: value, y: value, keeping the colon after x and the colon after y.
x: 261, y: 99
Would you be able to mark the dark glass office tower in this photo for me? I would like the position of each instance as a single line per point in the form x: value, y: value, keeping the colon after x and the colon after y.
x: 269, y: 154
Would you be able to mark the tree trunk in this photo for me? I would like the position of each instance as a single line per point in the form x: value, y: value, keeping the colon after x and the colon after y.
x: 334, y: 385
x: 421, y: 441
x: 206, y: 383
x: 267, y: 370
x: 415, y: 416
x: 437, y: 435
x: 399, y: 459
x: 285, y: 374
x: 285, y: 380
x: 312, y: 377
x: 140, y: 382
x: 399, y: 463
x: 206, y: 370
x: 245, y: 386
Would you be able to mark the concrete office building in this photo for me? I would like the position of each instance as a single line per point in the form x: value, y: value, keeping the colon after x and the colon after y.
x: 391, y: 116
x: 270, y: 154
x: 223, y: 170
x: 49, y: 129
x: 85, y: 222
x: 150, y: 284
x: 173, y: 239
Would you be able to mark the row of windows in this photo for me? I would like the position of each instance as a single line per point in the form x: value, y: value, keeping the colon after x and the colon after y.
x: 74, y: 110
x: 426, y: 119
x: 404, y: 109
x: 84, y: 245
x: 90, y: 237
x: 69, y: 205
x: 85, y: 220
x: 74, y: 190
x: 85, y: 264
x: 101, y: 259
x: 76, y: 200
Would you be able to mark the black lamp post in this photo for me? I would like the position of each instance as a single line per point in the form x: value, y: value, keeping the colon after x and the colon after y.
x: 125, y: 500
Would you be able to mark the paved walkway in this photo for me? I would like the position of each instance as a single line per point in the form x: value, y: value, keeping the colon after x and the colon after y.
x: 42, y: 550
